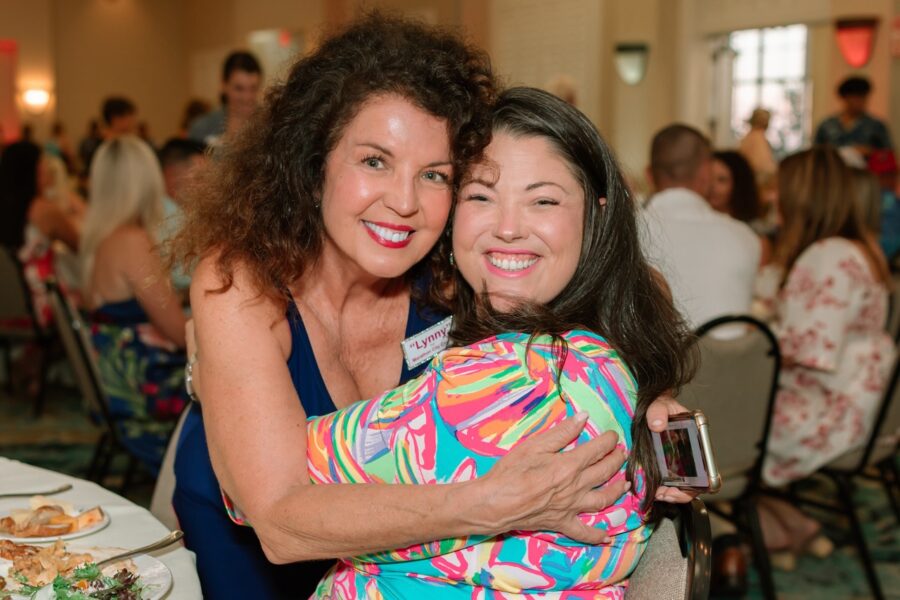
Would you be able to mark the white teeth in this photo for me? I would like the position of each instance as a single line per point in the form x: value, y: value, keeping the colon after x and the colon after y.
x: 390, y: 235
x: 511, y: 264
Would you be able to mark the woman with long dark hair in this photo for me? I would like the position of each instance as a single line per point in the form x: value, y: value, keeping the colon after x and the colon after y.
x: 556, y: 313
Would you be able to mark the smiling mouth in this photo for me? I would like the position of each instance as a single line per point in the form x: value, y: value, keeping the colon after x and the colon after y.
x: 389, y: 236
x: 512, y: 263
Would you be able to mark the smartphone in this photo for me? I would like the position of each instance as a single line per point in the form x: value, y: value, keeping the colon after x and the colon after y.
x: 684, y: 454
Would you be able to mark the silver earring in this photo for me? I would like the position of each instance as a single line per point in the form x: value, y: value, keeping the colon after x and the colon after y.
x: 452, y: 261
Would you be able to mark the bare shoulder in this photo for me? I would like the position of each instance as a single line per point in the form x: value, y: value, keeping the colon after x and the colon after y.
x: 242, y: 306
x: 131, y: 238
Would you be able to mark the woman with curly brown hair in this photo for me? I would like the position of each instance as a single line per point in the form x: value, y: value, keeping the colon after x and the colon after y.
x: 314, y: 234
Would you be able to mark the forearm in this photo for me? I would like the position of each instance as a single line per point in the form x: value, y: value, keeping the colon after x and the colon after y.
x: 328, y: 521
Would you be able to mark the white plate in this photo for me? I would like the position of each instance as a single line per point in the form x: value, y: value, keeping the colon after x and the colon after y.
x: 68, y: 536
x: 155, y: 575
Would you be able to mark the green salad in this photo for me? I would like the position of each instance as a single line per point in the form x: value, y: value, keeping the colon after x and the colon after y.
x: 89, y: 583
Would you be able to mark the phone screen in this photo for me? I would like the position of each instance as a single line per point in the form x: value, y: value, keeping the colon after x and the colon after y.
x: 679, y: 456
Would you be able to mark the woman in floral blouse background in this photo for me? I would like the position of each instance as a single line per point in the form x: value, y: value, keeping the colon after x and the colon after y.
x: 829, y: 315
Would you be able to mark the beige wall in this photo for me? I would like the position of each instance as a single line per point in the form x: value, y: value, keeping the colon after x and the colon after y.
x: 29, y: 23
x: 216, y: 27
x: 130, y: 47
x: 160, y: 52
x: 533, y: 41
x: 638, y: 111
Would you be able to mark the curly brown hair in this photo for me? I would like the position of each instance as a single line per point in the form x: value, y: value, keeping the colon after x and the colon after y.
x: 256, y: 204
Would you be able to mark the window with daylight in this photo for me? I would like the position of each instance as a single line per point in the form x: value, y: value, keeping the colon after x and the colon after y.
x: 770, y: 71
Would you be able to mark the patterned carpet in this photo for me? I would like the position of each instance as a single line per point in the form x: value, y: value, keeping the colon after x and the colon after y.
x: 841, y: 576
x: 62, y: 439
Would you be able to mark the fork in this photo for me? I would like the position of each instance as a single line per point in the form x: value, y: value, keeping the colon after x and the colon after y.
x: 170, y: 539
x: 57, y: 490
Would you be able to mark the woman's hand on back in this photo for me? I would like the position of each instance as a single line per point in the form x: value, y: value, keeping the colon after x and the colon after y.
x: 538, y: 488
x: 657, y: 419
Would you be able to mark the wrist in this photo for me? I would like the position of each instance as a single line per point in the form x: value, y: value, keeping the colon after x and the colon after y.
x: 481, y: 514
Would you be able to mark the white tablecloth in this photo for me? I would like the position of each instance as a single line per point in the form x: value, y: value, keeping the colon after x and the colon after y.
x: 130, y: 525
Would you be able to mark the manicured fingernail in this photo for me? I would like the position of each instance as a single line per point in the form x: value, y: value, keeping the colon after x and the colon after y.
x: 656, y: 423
x: 660, y: 496
x: 606, y: 540
x: 581, y: 416
x: 627, y: 485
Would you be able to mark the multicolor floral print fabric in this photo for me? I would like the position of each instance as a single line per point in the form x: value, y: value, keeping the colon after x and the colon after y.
x: 830, y: 318
x: 469, y: 408
x: 142, y: 375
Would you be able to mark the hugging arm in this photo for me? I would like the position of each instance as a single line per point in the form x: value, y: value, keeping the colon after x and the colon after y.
x: 256, y: 430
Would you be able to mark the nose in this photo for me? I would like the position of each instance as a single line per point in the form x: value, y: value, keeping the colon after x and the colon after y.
x: 509, y: 225
x: 402, y: 197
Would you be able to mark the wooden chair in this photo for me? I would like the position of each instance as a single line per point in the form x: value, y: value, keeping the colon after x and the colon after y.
x: 19, y: 323
x: 677, y: 562
x: 735, y: 387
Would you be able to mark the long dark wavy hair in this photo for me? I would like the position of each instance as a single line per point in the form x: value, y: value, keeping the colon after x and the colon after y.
x: 744, y: 204
x: 613, y: 292
x: 257, y: 203
x: 18, y: 188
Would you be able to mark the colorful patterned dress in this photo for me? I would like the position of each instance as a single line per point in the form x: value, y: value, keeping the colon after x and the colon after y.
x: 453, y: 423
x: 830, y: 318
x: 142, y: 374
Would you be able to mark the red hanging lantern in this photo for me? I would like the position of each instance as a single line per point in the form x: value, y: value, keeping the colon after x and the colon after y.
x: 855, y: 39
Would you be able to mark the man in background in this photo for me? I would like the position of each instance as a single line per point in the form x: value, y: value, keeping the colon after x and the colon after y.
x: 179, y: 160
x: 854, y: 131
x: 756, y: 149
x: 120, y: 116
x: 708, y: 258
x: 241, y: 83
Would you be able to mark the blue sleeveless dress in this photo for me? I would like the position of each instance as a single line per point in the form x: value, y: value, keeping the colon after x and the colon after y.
x: 230, y: 561
x: 142, y: 375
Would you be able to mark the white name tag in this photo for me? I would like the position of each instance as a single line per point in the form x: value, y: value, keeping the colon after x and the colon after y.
x: 421, y: 347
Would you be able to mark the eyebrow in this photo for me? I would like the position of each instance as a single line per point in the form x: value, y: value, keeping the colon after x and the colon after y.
x: 484, y: 182
x: 537, y: 184
x: 390, y: 154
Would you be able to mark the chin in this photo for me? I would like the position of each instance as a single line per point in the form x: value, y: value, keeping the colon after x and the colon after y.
x: 507, y: 300
x: 387, y: 269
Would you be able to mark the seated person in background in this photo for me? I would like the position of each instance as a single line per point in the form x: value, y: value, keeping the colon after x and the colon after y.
x: 733, y: 191
x: 119, y: 116
x: 30, y: 226
x: 137, y: 322
x: 854, y: 128
x: 178, y: 159
x: 542, y: 229
x: 708, y: 258
x: 830, y: 312
x: 193, y: 110
x: 60, y: 191
x: 32, y: 221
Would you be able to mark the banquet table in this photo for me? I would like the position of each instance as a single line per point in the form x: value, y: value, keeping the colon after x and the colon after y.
x: 130, y: 525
